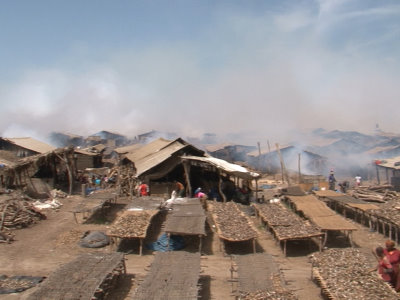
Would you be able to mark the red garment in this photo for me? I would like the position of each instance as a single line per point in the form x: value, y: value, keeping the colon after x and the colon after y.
x: 383, y: 265
x: 143, y: 189
x: 394, y: 260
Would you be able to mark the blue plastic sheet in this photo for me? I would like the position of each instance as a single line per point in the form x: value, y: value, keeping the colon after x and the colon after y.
x: 176, y: 242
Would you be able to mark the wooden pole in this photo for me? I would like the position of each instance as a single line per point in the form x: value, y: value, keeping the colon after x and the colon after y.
x: 259, y: 156
x: 186, y: 167
x: 377, y: 175
x: 269, y: 168
x: 299, y: 168
x: 284, y: 173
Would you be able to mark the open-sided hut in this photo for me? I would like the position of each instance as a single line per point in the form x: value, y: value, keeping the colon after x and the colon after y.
x: 388, y: 169
x: 56, y: 165
x: 158, y: 162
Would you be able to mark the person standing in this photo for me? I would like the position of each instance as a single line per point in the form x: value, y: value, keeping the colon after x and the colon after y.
x: 143, y: 189
x: 332, y: 181
x: 358, y: 180
x: 180, y: 189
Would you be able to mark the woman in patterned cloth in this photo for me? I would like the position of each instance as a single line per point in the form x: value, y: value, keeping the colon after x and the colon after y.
x: 385, y: 268
x: 393, y: 254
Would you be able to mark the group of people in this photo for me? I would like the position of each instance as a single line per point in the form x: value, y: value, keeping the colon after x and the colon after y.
x: 388, y: 264
x: 344, y: 186
x: 94, y: 181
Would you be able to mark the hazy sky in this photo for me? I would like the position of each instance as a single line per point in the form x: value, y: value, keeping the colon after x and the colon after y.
x: 263, y: 68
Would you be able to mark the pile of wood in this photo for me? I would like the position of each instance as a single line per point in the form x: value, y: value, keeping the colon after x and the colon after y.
x: 389, y: 211
x: 17, y: 211
x: 344, y: 274
x: 125, y: 180
x: 231, y: 222
x: 379, y: 193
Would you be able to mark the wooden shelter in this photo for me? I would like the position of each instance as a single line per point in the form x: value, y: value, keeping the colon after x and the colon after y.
x: 25, y: 146
x: 389, y: 169
x: 57, y: 164
x: 221, y: 167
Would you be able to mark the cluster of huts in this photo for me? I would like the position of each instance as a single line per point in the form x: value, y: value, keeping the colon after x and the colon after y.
x: 159, y: 162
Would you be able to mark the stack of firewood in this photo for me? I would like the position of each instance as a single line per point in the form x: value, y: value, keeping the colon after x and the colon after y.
x: 126, y: 181
x: 381, y: 194
x: 18, y: 212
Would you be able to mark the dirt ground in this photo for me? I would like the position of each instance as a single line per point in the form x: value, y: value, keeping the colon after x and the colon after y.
x: 43, y: 247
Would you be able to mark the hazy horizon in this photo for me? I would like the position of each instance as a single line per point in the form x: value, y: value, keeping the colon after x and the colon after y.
x: 258, y: 69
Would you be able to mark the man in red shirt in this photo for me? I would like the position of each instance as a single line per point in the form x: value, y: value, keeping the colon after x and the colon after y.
x: 143, y: 189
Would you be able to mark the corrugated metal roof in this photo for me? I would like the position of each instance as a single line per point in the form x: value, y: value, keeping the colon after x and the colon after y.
x: 153, y: 154
x: 225, y: 166
x: 390, y: 163
x: 31, y: 144
x: 127, y: 149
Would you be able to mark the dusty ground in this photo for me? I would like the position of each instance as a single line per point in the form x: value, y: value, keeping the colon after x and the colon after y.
x: 40, y: 249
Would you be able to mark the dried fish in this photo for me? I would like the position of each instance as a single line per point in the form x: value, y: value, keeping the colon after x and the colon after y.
x: 345, y: 275
x: 232, y: 224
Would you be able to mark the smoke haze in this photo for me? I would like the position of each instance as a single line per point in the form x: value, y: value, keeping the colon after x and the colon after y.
x: 262, y: 70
